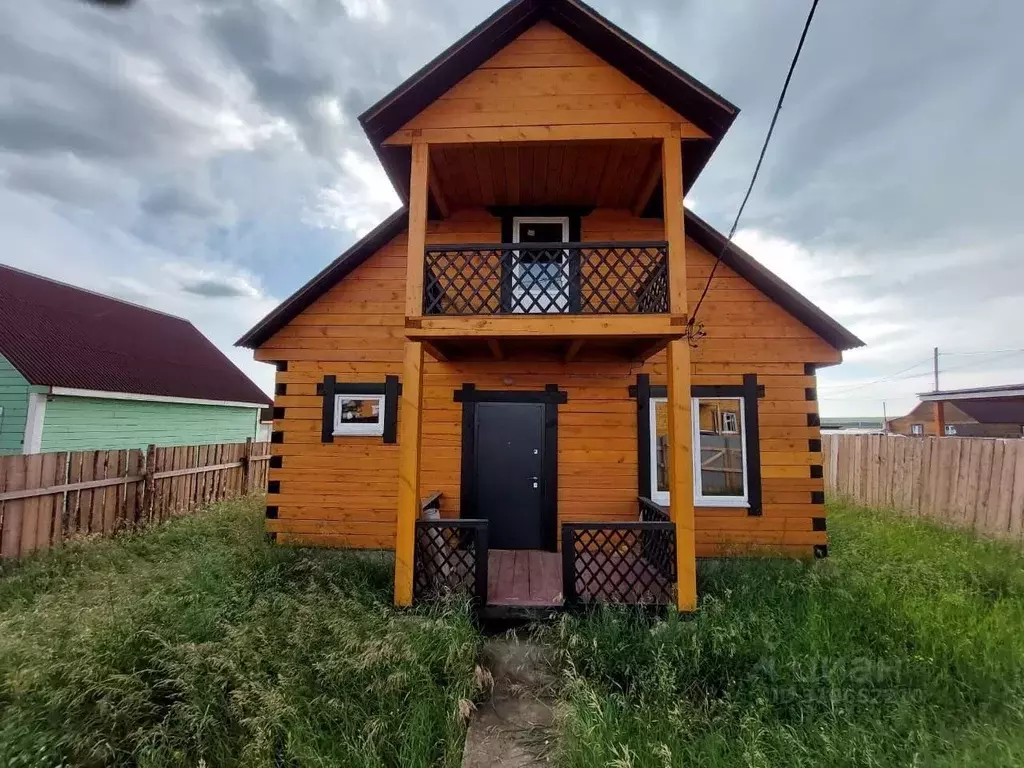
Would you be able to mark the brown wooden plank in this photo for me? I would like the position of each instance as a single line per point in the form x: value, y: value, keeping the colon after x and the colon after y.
x: 133, y: 491
x: 50, y: 476
x: 112, y: 494
x: 32, y: 509
x: 85, y: 497
x: 13, y: 511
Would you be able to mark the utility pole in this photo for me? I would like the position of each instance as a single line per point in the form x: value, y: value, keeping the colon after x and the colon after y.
x: 940, y: 407
x: 935, y: 367
x: 885, y: 420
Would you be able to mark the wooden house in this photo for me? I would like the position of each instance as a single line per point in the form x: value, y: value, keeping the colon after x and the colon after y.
x: 974, y: 412
x: 82, y: 371
x: 517, y: 336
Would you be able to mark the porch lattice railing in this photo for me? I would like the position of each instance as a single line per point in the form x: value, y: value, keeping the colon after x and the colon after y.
x: 626, y: 563
x: 559, y: 278
x: 450, y: 558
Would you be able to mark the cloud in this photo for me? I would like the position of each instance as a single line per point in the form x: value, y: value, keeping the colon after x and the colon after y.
x: 206, y: 158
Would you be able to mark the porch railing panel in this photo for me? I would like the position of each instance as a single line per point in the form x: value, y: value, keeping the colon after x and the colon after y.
x: 450, y: 558
x: 630, y: 563
x: 546, y: 278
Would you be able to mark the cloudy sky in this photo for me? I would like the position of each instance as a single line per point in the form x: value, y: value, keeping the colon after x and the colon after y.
x: 203, y: 157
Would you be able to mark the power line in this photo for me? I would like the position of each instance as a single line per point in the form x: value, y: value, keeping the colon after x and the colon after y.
x: 890, y: 377
x: 979, y: 352
x: 898, y: 376
x: 690, y: 325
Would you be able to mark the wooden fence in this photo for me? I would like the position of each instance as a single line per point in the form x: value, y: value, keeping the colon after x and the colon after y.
x: 47, y: 497
x: 971, y: 482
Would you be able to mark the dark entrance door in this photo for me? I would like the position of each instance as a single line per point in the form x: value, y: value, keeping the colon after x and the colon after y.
x: 509, y: 473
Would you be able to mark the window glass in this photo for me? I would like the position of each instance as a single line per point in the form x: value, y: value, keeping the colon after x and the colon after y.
x: 359, y: 414
x: 721, y: 448
x: 718, y: 441
x: 917, y: 429
x: 660, y: 436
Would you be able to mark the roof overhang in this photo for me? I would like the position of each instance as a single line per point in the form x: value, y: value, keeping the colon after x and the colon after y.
x: 981, y: 393
x: 661, y: 78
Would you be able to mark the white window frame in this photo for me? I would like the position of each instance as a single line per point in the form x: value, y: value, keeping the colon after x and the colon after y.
x: 734, y: 428
x: 949, y: 430
x: 557, y: 307
x: 349, y: 429
x: 699, y: 500
x: 917, y: 429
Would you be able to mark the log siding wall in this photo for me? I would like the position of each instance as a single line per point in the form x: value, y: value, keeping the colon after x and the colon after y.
x: 344, y: 493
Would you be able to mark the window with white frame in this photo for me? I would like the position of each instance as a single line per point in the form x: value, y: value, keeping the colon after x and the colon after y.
x: 917, y: 429
x: 719, y: 452
x: 950, y: 430
x: 359, y: 414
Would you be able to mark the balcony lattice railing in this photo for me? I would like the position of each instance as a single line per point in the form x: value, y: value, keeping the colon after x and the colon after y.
x: 547, y: 278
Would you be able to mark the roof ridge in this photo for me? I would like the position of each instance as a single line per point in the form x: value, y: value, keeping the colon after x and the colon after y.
x: 107, y: 296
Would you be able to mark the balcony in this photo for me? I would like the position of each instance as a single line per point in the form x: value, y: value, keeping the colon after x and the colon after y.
x: 500, y: 299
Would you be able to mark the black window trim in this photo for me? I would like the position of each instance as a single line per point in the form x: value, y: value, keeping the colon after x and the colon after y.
x: 643, y: 392
x: 391, y: 388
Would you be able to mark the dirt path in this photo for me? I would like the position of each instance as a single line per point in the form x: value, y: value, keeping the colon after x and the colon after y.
x: 515, y: 727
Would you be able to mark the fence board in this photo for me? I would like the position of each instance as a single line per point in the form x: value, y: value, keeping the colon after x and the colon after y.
x: 42, y: 501
x: 969, y: 482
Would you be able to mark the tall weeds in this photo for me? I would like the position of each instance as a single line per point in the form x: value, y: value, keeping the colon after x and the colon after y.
x: 199, y: 644
x: 905, y: 647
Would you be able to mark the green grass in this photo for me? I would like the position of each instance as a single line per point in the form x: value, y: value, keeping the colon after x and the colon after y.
x: 199, y: 644
x: 904, y: 648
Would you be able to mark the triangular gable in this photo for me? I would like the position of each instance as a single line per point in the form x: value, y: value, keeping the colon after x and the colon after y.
x: 543, y: 78
x: 655, y: 75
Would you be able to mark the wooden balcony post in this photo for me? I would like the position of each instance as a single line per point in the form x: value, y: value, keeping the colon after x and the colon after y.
x: 680, y: 425
x: 419, y: 181
x: 672, y: 184
x: 410, y: 425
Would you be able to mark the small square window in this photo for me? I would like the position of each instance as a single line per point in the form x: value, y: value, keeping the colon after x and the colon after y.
x: 950, y: 429
x: 730, y: 422
x: 917, y: 429
x: 359, y: 415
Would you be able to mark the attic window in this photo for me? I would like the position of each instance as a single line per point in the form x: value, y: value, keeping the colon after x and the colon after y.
x: 917, y: 429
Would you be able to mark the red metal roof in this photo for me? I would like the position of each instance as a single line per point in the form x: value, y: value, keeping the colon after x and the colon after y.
x: 57, y: 335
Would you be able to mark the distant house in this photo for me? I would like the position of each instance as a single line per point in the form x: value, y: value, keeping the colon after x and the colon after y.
x: 82, y: 371
x: 978, y: 412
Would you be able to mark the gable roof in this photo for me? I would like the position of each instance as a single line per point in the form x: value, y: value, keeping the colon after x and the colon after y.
x: 57, y: 335
x: 703, y: 233
x: 661, y: 78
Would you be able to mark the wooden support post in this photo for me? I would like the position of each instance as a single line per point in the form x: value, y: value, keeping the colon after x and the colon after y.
x: 672, y: 184
x: 940, y: 418
x: 418, y: 191
x: 410, y: 424
x: 680, y: 425
x: 680, y: 471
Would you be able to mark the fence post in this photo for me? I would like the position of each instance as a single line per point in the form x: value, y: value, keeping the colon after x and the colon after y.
x: 149, y: 485
x: 246, y: 474
x: 481, y: 565
x: 569, y: 597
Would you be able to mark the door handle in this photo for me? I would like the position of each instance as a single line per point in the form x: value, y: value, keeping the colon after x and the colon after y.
x: 536, y: 481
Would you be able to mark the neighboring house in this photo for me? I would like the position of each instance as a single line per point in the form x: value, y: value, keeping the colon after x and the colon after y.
x: 514, y: 338
x: 82, y: 371
x: 975, y: 412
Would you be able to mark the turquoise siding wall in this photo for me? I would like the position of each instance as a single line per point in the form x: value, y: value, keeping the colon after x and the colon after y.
x: 85, y: 423
x: 14, y: 400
